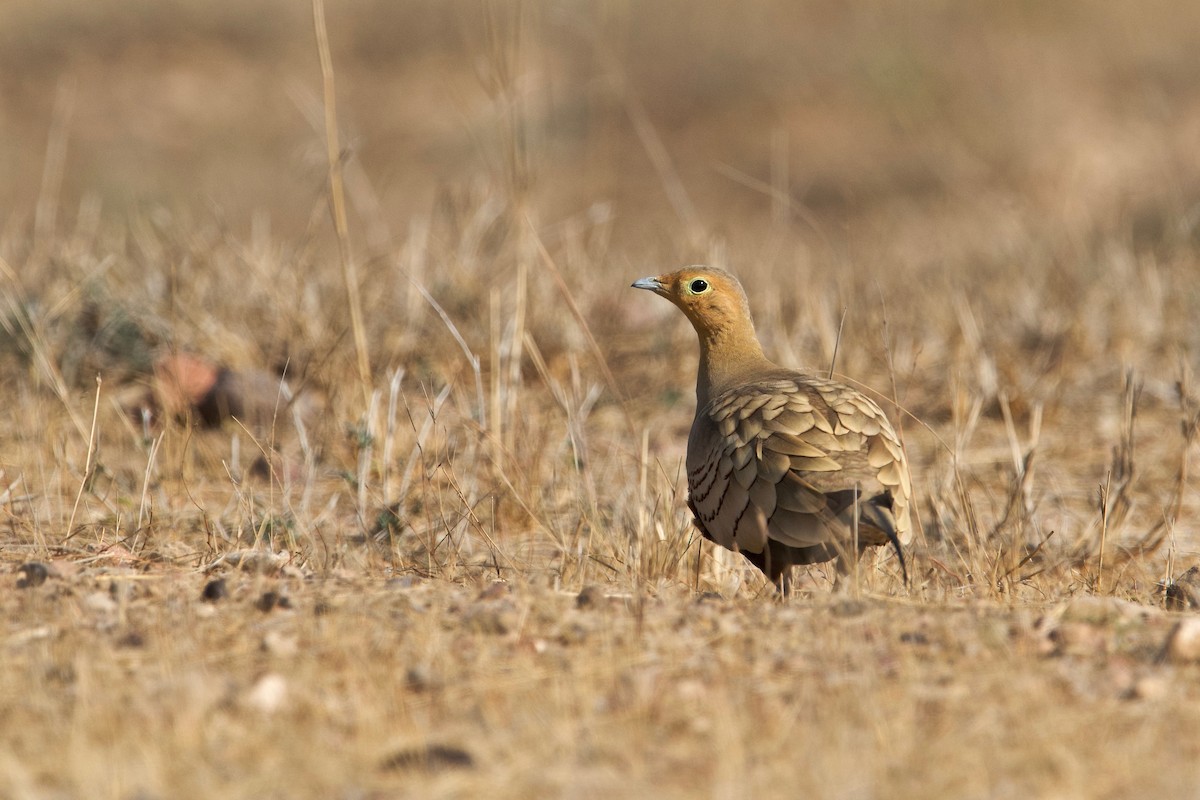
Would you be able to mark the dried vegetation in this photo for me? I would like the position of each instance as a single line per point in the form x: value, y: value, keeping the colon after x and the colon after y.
x: 256, y: 544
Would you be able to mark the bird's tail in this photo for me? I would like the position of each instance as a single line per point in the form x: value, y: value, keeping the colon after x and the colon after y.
x: 877, y: 513
x: 874, y: 514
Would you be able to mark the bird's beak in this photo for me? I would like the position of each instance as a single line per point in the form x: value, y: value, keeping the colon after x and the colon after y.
x: 653, y: 284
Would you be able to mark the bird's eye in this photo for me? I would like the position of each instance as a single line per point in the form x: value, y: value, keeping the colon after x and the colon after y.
x: 698, y: 286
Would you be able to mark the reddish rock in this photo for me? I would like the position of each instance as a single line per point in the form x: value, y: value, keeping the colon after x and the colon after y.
x: 184, y: 383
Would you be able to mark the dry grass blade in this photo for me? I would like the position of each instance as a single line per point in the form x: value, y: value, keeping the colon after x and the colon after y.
x: 337, y: 199
x: 1114, y: 496
x: 472, y: 359
x: 89, y: 465
x: 46, y: 218
x: 601, y: 362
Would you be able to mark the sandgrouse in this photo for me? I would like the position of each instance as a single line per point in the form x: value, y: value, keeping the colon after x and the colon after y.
x: 779, y: 461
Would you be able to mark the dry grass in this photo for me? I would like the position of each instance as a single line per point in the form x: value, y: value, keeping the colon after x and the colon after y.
x: 457, y: 560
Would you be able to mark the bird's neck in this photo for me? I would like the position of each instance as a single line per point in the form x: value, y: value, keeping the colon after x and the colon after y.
x: 727, y: 356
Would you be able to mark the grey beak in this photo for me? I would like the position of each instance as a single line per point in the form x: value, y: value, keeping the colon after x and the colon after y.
x: 653, y: 284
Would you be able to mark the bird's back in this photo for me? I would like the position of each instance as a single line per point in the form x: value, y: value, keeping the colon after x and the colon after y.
x: 802, y: 461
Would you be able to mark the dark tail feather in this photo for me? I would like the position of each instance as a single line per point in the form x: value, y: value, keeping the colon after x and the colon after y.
x: 880, y: 517
x: 891, y: 534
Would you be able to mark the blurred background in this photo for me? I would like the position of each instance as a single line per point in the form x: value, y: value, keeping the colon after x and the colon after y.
x: 944, y: 129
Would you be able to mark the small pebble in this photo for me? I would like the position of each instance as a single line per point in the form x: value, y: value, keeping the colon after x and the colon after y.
x: 1183, y: 644
x: 214, y: 591
x: 1183, y: 593
x: 272, y: 600
x: 417, y: 679
x: 432, y: 757
x: 1149, y: 687
x: 33, y: 573
x: 269, y: 694
x: 1076, y: 639
x: 133, y: 640
x: 590, y: 597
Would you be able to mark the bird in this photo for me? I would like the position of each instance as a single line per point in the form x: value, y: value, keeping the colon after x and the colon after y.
x: 783, y: 465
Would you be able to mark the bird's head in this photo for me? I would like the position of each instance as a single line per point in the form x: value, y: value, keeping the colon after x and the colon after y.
x: 711, y: 298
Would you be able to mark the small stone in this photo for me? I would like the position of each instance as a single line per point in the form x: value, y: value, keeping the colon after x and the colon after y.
x: 183, y: 381
x: 1076, y: 639
x: 1149, y: 687
x: 132, y: 639
x: 33, y: 573
x: 417, y: 679
x: 1183, y: 643
x: 269, y: 693
x: 272, y: 600
x: 214, y: 591
x: 1180, y: 596
x: 589, y: 597
x: 434, y: 757
x: 1183, y: 593
x: 534, y: 645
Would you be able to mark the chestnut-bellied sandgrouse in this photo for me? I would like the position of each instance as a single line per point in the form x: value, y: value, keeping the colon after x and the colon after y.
x: 783, y: 466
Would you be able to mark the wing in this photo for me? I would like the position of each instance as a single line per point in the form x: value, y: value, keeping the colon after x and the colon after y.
x: 782, y: 459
